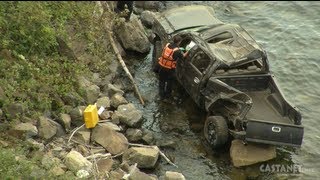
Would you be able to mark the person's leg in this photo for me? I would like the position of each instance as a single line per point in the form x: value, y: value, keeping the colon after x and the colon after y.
x: 170, y: 76
x: 162, y: 83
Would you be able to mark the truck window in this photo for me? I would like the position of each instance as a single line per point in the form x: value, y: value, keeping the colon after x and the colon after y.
x: 201, y: 61
x: 220, y: 37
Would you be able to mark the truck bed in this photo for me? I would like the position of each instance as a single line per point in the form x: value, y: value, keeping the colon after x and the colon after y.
x: 263, y: 110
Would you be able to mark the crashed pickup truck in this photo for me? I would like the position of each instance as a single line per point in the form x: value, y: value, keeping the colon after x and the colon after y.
x: 227, y: 73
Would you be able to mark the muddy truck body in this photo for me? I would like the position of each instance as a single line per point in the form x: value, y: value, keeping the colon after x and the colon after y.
x: 226, y: 72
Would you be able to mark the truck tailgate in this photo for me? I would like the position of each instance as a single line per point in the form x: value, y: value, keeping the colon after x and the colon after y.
x: 274, y: 133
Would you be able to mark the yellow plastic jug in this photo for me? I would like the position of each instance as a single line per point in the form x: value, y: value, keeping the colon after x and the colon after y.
x: 90, y: 115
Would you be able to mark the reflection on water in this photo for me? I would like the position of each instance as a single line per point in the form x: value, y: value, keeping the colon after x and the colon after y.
x: 290, y: 33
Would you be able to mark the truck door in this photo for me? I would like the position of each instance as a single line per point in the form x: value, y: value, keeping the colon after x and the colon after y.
x: 192, y: 69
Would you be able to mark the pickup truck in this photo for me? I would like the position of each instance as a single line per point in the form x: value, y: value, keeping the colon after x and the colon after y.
x: 226, y: 72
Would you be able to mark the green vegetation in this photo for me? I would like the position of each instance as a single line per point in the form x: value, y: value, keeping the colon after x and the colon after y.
x: 38, y: 70
x: 34, y: 71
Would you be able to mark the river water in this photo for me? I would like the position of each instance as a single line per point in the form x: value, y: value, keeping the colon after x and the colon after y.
x: 290, y: 33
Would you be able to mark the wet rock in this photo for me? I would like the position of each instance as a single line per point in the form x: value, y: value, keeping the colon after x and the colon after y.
x: 118, y: 99
x: 167, y: 144
x: 75, y: 162
x: 244, y: 155
x: 104, y: 165
x: 46, y: 128
x: 145, y: 157
x: 128, y: 115
x: 83, y: 136
x: 27, y: 129
x: 111, y: 140
x: 103, y: 102
x: 170, y: 175
x: 147, y: 18
x: 112, y: 89
x: 111, y: 125
x: 132, y: 35
x: 65, y: 121
x: 76, y: 115
x: 133, y: 134
x: 148, y: 137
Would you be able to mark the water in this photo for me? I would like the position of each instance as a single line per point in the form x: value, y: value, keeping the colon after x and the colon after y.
x: 290, y: 33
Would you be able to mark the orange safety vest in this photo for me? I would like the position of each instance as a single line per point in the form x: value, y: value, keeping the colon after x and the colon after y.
x: 166, y: 60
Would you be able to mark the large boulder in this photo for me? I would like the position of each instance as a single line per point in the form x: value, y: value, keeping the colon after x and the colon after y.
x: 128, y: 114
x: 112, y: 141
x: 76, y: 162
x: 46, y: 128
x: 132, y: 35
x: 145, y: 157
x: 147, y: 18
x: 170, y: 175
x: 244, y: 155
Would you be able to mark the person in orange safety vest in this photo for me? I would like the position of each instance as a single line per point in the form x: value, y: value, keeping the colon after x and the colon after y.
x: 167, y: 62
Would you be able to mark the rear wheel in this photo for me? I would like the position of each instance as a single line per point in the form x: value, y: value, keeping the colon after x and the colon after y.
x: 155, y: 55
x: 216, y: 131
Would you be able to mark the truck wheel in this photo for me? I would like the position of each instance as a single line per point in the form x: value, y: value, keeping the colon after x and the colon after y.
x: 216, y: 131
x: 155, y: 55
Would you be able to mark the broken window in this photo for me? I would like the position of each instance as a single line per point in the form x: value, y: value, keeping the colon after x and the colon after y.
x: 201, y: 61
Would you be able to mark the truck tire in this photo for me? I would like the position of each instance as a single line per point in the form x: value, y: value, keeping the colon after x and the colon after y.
x: 155, y: 55
x: 216, y: 131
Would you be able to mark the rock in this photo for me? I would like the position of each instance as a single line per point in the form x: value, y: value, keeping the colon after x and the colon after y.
x: 244, y: 155
x: 116, y: 175
x: 132, y: 35
x: 98, y: 150
x: 92, y: 93
x: 60, y: 130
x: 104, y: 101
x: 49, y: 162
x: 112, y: 89
x: 72, y: 99
x: 148, y: 136
x: 147, y: 18
x: 28, y: 129
x: 145, y: 157
x: 83, y: 150
x: 170, y: 175
x: 128, y: 115
x: 133, y: 134
x: 75, y: 162
x: 150, y: 5
x: 136, y: 174
x: 83, y: 174
x: 167, y: 143
x: 105, y: 115
x: 115, y: 118
x: 76, y: 115
x: 111, y: 140
x: 15, y: 110
x: 46, y: 128
x: 96, y: 78
x: 104, y: 165
x: 111, y: 125
x: 83, y: 136
x: 57, y: 171
x: 3, y: 144
x: 65, y: 121
x: 118, y: 99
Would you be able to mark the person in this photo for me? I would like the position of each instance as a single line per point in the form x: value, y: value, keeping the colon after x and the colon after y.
x: 167, y: 65
x: 121, y: 7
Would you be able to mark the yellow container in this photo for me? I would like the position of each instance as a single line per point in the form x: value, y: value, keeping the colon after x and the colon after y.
x: 90, y: 115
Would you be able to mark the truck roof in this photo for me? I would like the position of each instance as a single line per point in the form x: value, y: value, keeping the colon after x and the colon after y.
x: 187, y: 17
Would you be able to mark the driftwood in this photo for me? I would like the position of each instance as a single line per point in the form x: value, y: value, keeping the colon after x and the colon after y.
x: 109, y: 27
x: 155, y: 147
